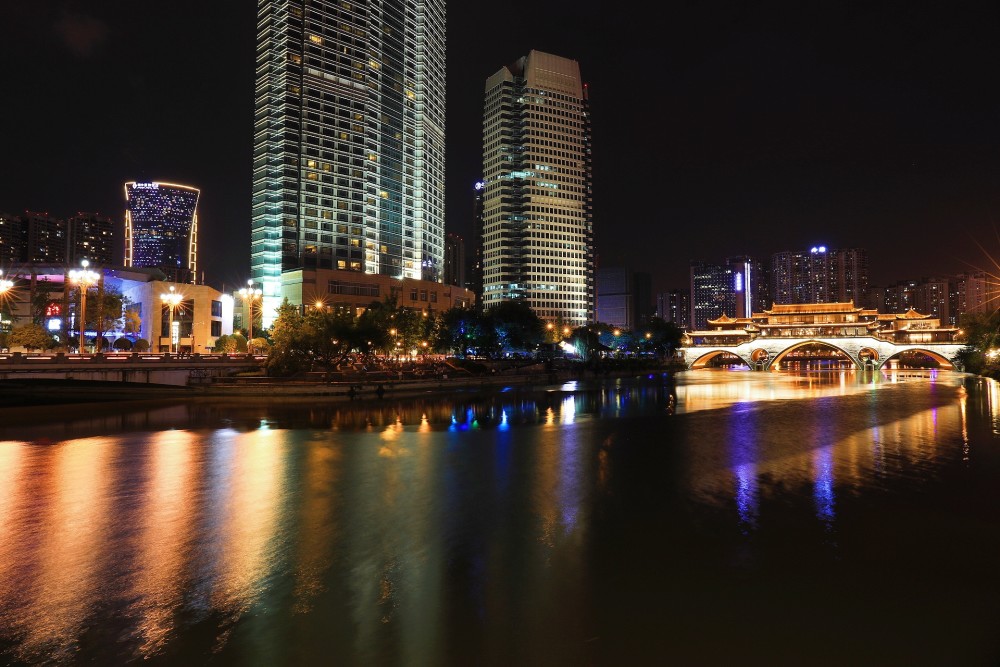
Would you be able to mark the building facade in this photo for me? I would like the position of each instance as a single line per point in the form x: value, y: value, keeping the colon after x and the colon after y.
x: 454, y: 260
x: 538, y: 236
x: 199, y: 319
x: 91, y: 238
x: 353, y: 292
x: 675, y: 306
x: 161, y: 228
x: 624, y: 297
x: 819, y: 275
x: 349, y: 141
x: 40, y: 238
x: 737, y: 287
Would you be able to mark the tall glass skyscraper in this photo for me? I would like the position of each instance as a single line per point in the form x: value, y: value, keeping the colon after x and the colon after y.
x: 349, y: 140
x: 161, y: 228
x: 538, y: 236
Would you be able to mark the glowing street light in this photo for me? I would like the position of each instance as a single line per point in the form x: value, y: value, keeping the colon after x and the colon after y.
x: 250, y: 294
x: 85, y: 279
x: 172, y: 299
x: 5, y: 286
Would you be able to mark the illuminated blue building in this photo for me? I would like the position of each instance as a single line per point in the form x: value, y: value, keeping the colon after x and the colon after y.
x: 161, y: 228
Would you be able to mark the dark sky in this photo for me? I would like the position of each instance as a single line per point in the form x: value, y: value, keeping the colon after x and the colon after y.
x: 719, y: 128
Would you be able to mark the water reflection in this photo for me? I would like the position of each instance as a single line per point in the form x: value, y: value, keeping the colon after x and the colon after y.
x: 418, y: 531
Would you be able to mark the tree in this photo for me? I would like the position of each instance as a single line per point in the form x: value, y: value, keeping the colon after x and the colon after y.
x: 31, y: 337
x: 288, y: 354
x: 516, y: 325
x: 328, y: 337
x: 104, y: 311
x: 587, y: 343
x: 982, y: 333
x: 665, y: 337
x: 131, y: 321
x: 225, y: 344
x: 462, y: 329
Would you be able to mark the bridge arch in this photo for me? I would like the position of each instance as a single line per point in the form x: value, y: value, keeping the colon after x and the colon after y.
x: 943, y: 361
x: 780, y: 356
x: 703, y: 360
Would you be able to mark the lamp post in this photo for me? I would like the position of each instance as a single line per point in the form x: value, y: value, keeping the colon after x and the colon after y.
x: 85, y: 279
x: 249, y: 293
x: 171, y: 299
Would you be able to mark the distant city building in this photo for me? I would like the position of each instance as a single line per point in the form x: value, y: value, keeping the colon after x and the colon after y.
x: 91, y: 238
x: 736, y: 288
x: 349, y: 141
x: 975, y: 292
x: 538, y: 236
x: 475, y: 272
x: 47, y: 239
x: 675, y: 306
x: 13, y: 240
x: 819, y: 275
x: 161, y: 228
x: 353, y: 292
x: 203, y: 315
x: 624, y: 297
x: 454, y: 260
x: 40, y: 238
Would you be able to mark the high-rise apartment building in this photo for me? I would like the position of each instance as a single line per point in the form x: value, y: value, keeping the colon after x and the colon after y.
x: 91, y: 237
x: 820, y: 275
x: 39, y: 238
x: 675, y: 306
x: 47, y: 239
x: 538, y: 236
x: 13, y: 240
x: 349, y: 140
x: 161, y: 228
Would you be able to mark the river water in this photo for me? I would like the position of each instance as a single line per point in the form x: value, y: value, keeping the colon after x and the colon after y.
x: 708, y: 517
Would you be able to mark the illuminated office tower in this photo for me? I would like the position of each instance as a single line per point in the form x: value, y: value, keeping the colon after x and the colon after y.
x: 161, y: 228
x: 349, y: 140
x: 538, y: 237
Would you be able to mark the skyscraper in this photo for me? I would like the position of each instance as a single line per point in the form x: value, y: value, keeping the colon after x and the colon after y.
x: 161, y: 228
x: 538, y: 236
x: 349, y: 140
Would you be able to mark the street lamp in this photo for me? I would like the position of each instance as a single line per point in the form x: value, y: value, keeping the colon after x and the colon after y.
x: 171, y: 299
x: 5, y: 286
x: 85, y: 278
x: 249, y: 294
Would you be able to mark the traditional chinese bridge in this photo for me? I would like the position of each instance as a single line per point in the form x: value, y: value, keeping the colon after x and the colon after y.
x: 866, y: 337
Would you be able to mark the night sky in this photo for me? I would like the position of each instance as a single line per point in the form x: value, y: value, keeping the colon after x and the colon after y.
x: 719, y: 128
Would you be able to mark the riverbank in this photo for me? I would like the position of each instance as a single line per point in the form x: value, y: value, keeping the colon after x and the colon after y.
x: 27, y: 392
